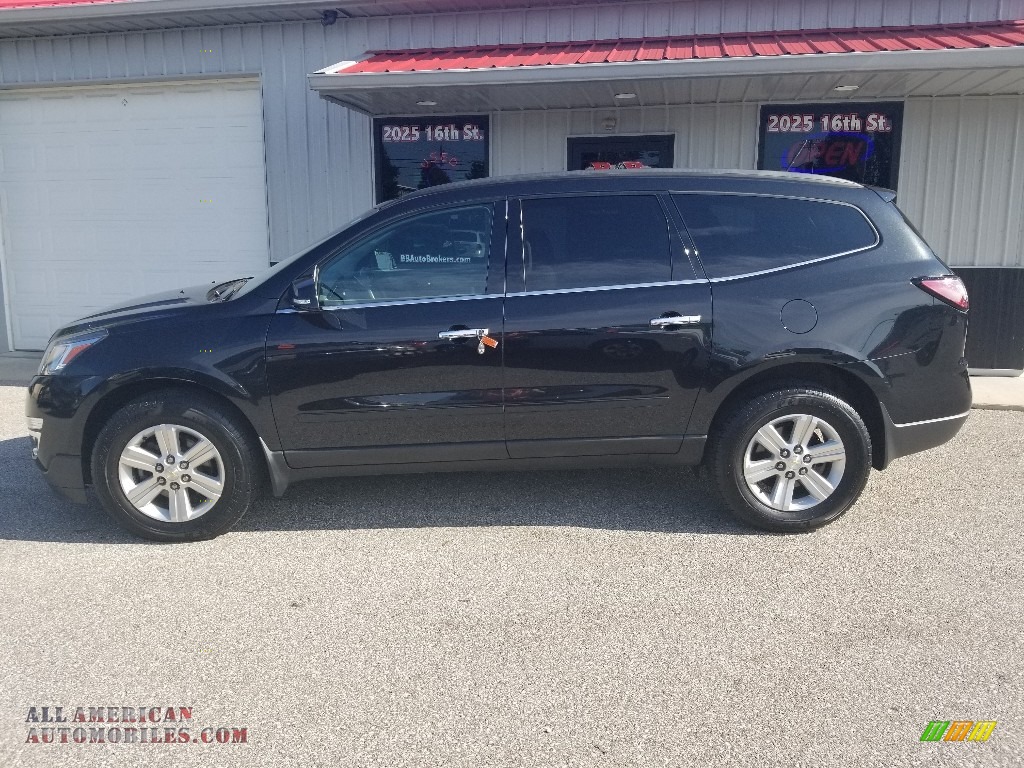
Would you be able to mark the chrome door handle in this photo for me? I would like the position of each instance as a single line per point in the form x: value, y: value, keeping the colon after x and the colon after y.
x: 664, y: 322
x: 465, y: 333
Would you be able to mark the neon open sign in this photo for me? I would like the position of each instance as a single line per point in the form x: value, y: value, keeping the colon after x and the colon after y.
x: 827, y: 152
x: 859, y: 141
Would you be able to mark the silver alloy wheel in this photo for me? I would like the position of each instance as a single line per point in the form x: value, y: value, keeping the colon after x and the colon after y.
x: 171, y: 473
x: 794, y: 462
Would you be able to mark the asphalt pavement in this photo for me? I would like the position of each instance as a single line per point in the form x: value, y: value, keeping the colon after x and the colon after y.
x: 598, y: 618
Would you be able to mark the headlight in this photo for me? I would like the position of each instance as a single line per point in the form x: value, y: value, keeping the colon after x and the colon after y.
x: 60, y: 352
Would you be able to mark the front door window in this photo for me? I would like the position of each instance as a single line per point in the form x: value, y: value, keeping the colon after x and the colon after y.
x: 437, y: 254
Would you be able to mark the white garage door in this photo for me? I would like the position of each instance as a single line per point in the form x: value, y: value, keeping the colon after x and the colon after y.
x: 107, y: 194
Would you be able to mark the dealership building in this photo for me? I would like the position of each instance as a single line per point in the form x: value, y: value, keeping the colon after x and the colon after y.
x: 153, y: 144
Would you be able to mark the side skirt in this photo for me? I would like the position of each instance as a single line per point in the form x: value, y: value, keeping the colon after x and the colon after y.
x: 282, y: 475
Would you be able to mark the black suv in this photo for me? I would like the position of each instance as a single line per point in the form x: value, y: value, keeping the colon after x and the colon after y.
x: 786, y: 332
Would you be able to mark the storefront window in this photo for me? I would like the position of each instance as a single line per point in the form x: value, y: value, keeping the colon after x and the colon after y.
x: 855, y: 141
x: 606, y: 152
x: 417, y: 152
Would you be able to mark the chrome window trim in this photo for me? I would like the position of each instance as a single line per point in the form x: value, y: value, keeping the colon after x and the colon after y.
x: 589, y: 289
x: 789, y: 266
x: 401, y: 302
x: 437, y: 299
x: 815, y: 260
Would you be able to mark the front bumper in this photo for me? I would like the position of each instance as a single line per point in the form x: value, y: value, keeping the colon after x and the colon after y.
x: 54, y: 426
x: 64, y: 474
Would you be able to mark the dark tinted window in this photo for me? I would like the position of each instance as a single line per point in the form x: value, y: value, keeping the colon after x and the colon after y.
x: 442, y: 253
x: 582, y: 242
x: 737, y: 234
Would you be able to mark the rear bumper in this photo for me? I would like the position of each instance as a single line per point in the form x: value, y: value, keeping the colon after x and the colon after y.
x: 904, y: 439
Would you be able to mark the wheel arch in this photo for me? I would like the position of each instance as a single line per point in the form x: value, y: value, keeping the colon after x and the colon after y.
x: 839, y: 380
x: 115, y: 399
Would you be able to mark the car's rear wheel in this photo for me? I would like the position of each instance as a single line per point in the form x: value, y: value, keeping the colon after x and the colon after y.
x: 791, y: 460
x: 174, y: 468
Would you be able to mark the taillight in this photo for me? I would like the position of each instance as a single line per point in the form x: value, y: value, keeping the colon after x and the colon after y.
x: 949, y: 288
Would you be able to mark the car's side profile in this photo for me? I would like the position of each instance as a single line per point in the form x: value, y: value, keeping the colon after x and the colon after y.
x: 788, y: 333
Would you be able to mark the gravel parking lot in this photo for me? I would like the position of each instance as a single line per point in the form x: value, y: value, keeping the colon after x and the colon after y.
x: 600, y: 618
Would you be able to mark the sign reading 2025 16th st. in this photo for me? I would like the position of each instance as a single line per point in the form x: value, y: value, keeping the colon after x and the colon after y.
x: 417, y: 152
x: 855, y: 141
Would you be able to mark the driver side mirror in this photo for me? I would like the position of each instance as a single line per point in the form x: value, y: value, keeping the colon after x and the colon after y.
x: 304, y: 295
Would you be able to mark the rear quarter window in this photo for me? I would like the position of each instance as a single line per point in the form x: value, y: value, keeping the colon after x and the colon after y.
x: 738, y: 234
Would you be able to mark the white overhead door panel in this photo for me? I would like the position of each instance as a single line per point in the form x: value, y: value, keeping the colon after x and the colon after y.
x: 107, y: 194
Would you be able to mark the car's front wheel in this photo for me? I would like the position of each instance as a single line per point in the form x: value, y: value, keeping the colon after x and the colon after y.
x: 791, y: 460
x: 171, y: 467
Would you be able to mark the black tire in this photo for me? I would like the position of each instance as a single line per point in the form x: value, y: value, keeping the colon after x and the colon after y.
x: 235, y: 467
x: 752, y: 502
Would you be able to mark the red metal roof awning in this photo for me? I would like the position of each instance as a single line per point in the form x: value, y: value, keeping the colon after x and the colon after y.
x: 50, y: 3
x: 799, y: 65
x: 998, y: 34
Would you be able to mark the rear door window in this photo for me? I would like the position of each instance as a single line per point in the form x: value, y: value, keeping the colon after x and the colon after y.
x: 594, y: 240
x: 739, y: 234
